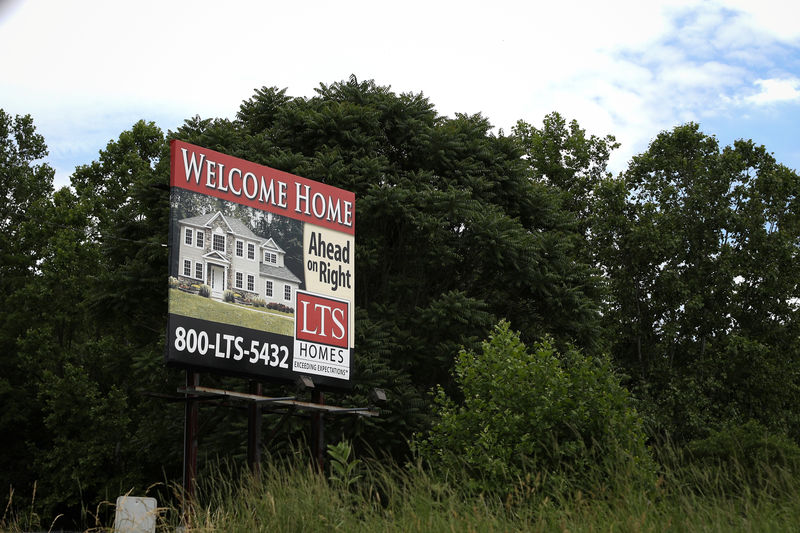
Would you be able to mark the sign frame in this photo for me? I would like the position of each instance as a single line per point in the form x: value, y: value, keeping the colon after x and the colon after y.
x: 247, y: 244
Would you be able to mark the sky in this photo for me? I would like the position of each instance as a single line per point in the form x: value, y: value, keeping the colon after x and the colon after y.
x: 87, y: 70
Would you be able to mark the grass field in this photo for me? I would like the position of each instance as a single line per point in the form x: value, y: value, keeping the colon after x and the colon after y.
x: 381, y: 496
x: 391, y: 498
x: 195, y: 306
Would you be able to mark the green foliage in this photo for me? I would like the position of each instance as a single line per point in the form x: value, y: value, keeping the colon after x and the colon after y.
x: 566, y: 158
x: 451, y: 232
x: 291, y: 496
x: 748, y: 446
x: 204, y: 291
x: 88, y: 425
x: 457, y: 226
x: 27, y: 222
x: 700, y: 247
x: 528, y: 411
x: 344, y: 470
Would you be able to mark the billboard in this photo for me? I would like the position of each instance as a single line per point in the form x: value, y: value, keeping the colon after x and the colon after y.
x: 261, y: 279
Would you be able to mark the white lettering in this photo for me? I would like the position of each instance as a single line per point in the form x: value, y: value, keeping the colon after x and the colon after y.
x: 193, y: 167
x: 334, y: 211
x: 302, y: 198
x: 222, y: 185
x: 211, y: 177
x: 282, y: 194
x: 321, y: 212
x: 230, y: 180
x: 340, y: 312
x: 247, y: 177
x: 348, y: 213
x: 304, y: 315
x: 323, y: 308
x: 267, y: 194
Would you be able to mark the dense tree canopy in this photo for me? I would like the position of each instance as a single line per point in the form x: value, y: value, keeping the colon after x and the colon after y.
x: 699, y: 245
x: 26, y: 189
x: 683, y: 267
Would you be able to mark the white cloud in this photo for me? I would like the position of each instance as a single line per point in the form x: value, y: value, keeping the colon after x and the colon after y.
x: 625, y: 67
x: 773, y: 19
x: 776, y: 90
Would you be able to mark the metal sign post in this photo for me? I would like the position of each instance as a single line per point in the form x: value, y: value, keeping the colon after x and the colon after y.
x: 190, y: 439
x: 254, y: 431
x: 318, y: 431
x: 258, y: 404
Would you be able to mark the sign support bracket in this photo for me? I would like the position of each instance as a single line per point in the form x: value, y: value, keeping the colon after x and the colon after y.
x: 257, y: 404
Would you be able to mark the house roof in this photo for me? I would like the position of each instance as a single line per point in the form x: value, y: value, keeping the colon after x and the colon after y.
x: 200, y: 220
x: 240, y: 229
x: 269, y: 244
x: 236, y: 226
x: 278, y: 273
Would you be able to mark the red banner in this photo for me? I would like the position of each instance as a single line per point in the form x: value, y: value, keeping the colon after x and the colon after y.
x: 237, y: 180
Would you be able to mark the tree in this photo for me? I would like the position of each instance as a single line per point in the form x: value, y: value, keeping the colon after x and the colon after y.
x: 451, y: 231
x: 126, y: 193
x: 534, y: 411
x: 25, y: 190
x: 452, y: 234
x: 96, y: 342
x: 565, y: 158
x: 700, y: 248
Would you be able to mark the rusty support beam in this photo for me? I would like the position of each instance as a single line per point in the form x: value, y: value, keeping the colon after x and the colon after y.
x: 254, y: 431
x: 190, y: 431
x: 318, y: 431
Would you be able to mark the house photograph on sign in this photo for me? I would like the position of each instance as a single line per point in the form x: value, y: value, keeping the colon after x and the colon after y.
x: 247, y: 263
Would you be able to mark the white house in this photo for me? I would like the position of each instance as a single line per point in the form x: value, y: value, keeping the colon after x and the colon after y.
x: 224, y: 253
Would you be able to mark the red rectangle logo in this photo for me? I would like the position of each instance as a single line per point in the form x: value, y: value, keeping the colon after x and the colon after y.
x: 322, y: 320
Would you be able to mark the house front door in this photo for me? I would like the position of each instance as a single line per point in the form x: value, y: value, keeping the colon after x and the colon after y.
x: 217, y: 281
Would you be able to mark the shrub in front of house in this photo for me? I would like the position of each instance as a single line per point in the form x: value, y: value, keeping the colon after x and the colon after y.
x: 173, y: 282
x: 204, y: 290
x: 229, y: 296
x: 280, y: 307
x: 258, y: 302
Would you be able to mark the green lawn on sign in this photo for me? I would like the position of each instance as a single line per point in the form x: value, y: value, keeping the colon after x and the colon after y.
x: 260, y: 318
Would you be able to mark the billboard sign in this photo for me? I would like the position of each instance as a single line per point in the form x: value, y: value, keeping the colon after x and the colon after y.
x: 261, y: 270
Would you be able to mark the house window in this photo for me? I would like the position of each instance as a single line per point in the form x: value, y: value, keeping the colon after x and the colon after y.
x: 198, y: 270
x: 268, y: 289
x: 239, y: 280
x: 287, y: 292
x: 269, y: 257
x: 251, y: 283
x: 200, y: 239
x: 251, y: 251
x: 188, y: 238
x: 219, y: 243
x: 187, y: 268
x: 239, y: 249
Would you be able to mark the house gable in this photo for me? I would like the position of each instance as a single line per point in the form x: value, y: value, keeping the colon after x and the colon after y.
x: 215, y: 256
x: 272, y: 246
x: 218, y: 220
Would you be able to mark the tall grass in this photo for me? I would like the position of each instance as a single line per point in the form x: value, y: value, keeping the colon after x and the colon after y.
x: 292, y: 497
